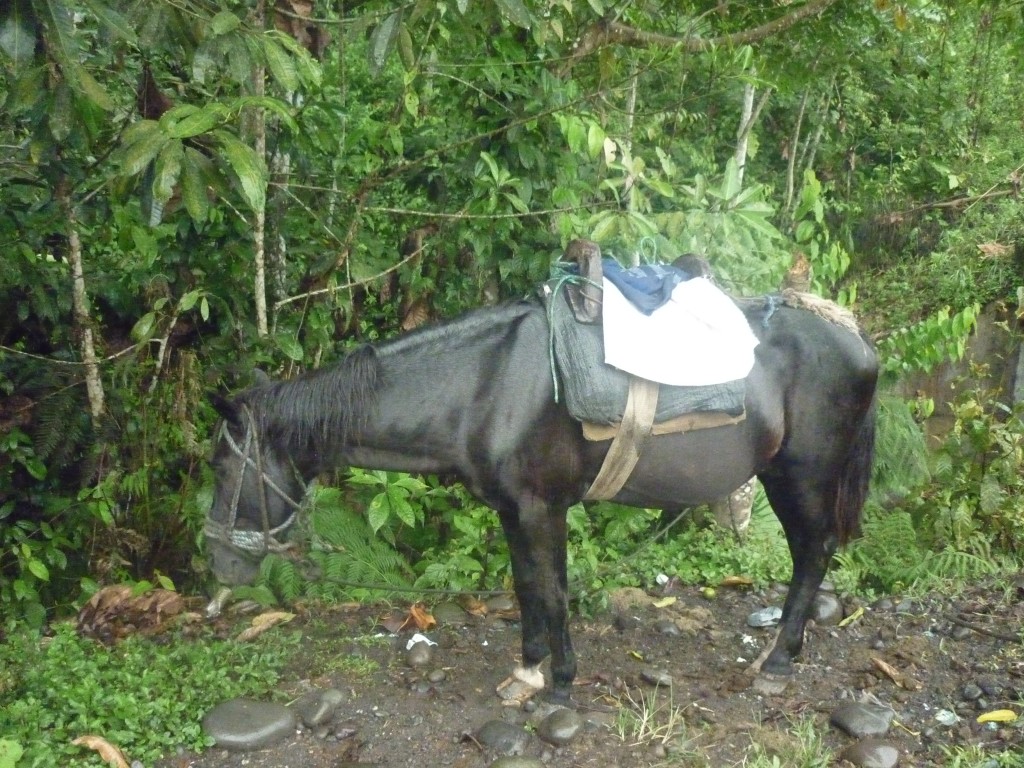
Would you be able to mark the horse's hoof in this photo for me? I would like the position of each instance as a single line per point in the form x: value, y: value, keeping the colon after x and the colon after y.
x: 782, y: 667
x: 559, y: 696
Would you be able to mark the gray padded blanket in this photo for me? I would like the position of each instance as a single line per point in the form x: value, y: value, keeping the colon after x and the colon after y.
x: 596, y: 392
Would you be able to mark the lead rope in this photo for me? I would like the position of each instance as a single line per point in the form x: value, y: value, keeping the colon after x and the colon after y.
x: 264, y: 514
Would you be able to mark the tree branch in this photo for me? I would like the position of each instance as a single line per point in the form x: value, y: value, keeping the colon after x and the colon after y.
x: 603, y: 33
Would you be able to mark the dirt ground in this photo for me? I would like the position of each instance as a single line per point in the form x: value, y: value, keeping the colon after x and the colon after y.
x: 932, y: 660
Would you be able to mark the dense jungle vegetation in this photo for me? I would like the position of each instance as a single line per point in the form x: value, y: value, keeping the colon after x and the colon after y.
x: 192, y: 190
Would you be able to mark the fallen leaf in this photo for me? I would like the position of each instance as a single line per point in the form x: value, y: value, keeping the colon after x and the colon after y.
x: 421, y: 617
x: 637, y: 655
x: 473, y: 606
x: 737, y: 581
x: 998, y: 716
x: 901, y: 679
x: 852, y: 617
x: 665, y: 601
x: 107, y: 751
x: 262, y: 623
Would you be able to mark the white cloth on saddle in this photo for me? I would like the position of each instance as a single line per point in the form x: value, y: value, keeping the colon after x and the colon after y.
x: 698, y: 337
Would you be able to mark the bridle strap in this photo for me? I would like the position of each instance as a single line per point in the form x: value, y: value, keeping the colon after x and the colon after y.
x: 256, y: 542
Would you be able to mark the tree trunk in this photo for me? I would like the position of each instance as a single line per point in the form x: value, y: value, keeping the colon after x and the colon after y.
x: 80, y: 305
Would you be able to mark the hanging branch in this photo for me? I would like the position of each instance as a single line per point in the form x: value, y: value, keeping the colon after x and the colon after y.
x: 747, y: 121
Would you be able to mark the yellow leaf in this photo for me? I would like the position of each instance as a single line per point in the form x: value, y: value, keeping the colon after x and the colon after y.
x: 107, y: 751
x: 665, y: 601
x: 637, y: 655
x: 852, y: 617
x: 998, y: 716
x: 262, y: 623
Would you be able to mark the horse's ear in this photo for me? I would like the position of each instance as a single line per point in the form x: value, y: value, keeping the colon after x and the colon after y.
x: 226, y: 408
x: 260, y: 377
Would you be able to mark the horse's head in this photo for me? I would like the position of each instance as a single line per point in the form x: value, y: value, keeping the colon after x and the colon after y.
x: 257, y: 495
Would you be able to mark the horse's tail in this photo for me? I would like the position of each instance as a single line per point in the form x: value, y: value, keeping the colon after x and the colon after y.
x: 855, y: 477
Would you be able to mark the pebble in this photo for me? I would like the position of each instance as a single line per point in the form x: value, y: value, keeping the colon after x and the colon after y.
x: 500, y: 603
x: 450, y: 613
x: 872, y: 753
x: 419, y: 655
x: 667, y: 627
x: 437, y: 676
x: 971, y: 692
x: 504, y: 738
x: 317, y: 707
x: 656, y: 677
x: 244, y: 724
x: 860, y: 720
x: 560, y: 727
x: 765, y: 617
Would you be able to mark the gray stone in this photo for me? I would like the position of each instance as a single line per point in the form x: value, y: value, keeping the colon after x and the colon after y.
x: 244, y: 724
x: 419, y: 655
x: 450, y: 613
x: 504, y: 738
x: 437, y: 676
x: 656, y: 677
x: 765, y: 617
x: 971, y: 692
x: 860, y: 720
x: 560, y: 727
x: 827, y: 610
x: 501, y: 603
x: 667, y: 627
x: 872, y: 753
x: 317, y: 707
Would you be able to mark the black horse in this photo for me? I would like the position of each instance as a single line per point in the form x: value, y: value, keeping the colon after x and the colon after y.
x: 473, y: 398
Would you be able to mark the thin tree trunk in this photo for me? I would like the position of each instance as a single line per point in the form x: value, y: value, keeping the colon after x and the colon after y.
x: 259, y: 135
x: 630, y: 119
x: 794, y: 144
x: 80, y: 305
x: 747, y: 120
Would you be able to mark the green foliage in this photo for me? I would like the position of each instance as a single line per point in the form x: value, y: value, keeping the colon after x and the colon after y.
x: 57, y: 688
x: 937, y: 339
x: 965, y: 522
x: 347, y: 559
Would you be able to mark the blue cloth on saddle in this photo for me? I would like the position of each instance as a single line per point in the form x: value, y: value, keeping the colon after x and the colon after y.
x: 596, y: 392
x: 647, y: 286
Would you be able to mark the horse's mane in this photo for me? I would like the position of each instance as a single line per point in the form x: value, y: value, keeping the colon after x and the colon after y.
x: 319, y: 409
x: 823, y: 308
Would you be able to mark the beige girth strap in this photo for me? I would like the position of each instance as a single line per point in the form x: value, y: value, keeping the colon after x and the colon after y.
x: 628, y: 443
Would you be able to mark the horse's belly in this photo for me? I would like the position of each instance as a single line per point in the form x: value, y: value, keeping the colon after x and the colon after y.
x: 690, y: 468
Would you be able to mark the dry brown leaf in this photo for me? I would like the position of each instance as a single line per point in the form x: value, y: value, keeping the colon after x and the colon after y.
x: 107, y: 751
x: 737, y: 581
x: 262, y: 623
x: 901, y: 679
x: 421, y: 617
x: 994, y: 250
x: 473, y: 606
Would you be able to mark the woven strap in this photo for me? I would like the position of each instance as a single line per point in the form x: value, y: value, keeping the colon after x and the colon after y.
x: 629, y: 440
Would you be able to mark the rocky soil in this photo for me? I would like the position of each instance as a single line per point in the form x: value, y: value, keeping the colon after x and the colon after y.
x: 662, y: 681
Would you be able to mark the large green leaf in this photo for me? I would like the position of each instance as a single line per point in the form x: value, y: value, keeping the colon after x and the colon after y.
x: 18, y: 32
x: 515, y: 11
x: 62, y: 42
x: 168, y: 168
x: 383, y: 41
x: 187, y: 121
x: 279, y: 64
x: 112, y: 20
x: 142, y: 142
x: 193, y: 185
x: 248, y: 166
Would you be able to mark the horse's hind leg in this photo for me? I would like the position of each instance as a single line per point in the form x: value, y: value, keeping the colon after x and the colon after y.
x: 805, y: 509
x: 536, y: 537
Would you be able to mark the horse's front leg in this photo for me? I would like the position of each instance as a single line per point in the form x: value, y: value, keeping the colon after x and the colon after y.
x: 536, y: 537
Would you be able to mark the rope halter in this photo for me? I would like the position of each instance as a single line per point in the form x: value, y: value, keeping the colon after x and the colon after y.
x: 257, y: 542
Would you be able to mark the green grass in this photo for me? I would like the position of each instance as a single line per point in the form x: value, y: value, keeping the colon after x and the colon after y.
x: 146, y: 698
